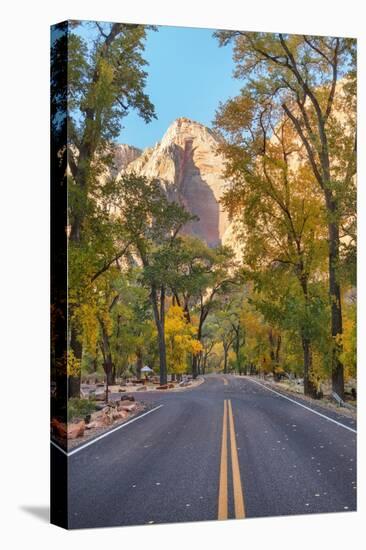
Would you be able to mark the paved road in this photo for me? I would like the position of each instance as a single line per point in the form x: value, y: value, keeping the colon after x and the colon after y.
x: 228, y: 448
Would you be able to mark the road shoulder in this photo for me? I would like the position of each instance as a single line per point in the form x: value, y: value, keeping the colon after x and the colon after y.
x: 340, y: 414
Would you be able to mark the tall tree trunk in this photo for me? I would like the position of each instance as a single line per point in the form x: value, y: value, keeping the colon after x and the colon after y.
x: 309, y: 386
x: 159, y: 317
x: 204, y: 364
x: 108, y: 369
x: 107, y: 356
x: 162, y: 356
x: 199, y: 362
x: 226, y: 351
x: 75, y: 343
x: 336, y: 310
x: 110, y: 372
x: 195, y: 358
x: 324, y: 179
x: 278, y: 349
x: 334, y: 285
x: 237, y: 346
x: 272, y: 353
x: 95, y: 360
x: 275, y: 347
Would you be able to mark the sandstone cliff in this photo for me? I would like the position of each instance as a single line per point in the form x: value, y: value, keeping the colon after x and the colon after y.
x: 186, y: 163
x: 124, y: 155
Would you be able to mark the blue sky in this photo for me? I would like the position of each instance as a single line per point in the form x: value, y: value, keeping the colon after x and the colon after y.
x: 188, y: 75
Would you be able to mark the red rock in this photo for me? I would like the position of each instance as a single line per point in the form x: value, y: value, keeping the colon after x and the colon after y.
x: 123, y: 403
x: 75, y: 430
x: 120, y: 413
x: 106, y: 419
x: 94, y: 424
x: 128, y: 408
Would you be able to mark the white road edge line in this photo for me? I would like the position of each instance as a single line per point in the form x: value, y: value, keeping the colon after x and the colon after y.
x: 105, y: 434
x: 304, y: 406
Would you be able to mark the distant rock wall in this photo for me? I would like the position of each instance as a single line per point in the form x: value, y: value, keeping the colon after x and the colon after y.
x: 124, y: 155
x: 192, y: 173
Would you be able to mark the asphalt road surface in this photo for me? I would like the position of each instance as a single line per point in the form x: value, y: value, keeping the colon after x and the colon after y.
x: 229, y: 448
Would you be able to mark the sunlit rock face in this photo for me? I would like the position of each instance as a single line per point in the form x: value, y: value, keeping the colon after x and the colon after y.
x: 190, y: 170
x: 124, y: 155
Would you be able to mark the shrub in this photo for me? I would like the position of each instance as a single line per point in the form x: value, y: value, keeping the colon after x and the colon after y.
x: 79, y: 408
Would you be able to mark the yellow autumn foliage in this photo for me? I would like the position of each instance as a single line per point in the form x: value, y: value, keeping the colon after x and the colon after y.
x: 180, y: 340
x: 73, y: 364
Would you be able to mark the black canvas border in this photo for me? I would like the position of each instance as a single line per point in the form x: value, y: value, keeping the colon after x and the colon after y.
x: 58, y: 206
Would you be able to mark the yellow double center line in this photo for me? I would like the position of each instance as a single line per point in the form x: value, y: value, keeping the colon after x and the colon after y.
x: 237, y: 486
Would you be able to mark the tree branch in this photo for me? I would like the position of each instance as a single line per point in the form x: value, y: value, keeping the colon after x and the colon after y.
x: 306, y: 143
x: 334, y: 65
x: 110, y: 262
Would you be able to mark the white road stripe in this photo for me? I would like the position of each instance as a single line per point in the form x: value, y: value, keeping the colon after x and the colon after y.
x: 104, y: 434
x: 303, y: 406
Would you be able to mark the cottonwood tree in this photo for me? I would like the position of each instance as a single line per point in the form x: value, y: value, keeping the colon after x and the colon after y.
x: 256, y: 349
x: 125, y: 322
x: 289, y: 317
x: 234, y: 305
x: 180, y: 339
x: 152, y: 225
x: 312, y: 80
x: 106, y: 79
x: 277, y: 201
x: 203, y: 274
x: 224, y: 333
x: 208, y: 342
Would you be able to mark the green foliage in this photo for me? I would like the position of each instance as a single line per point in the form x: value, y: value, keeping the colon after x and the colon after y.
x: 79, y: 408
x: 148, y: 217
x: 290, y: 145
x: 349, y: 356
x: 152, y: 224
x: 141, y: 290
x: 106, y: 79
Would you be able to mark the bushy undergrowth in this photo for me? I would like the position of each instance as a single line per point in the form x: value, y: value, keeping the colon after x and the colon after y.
x: 79, y: 408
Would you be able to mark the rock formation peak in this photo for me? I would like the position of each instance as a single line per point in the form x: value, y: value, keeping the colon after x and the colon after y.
x: 187, y: 163
x: 183, y: 129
